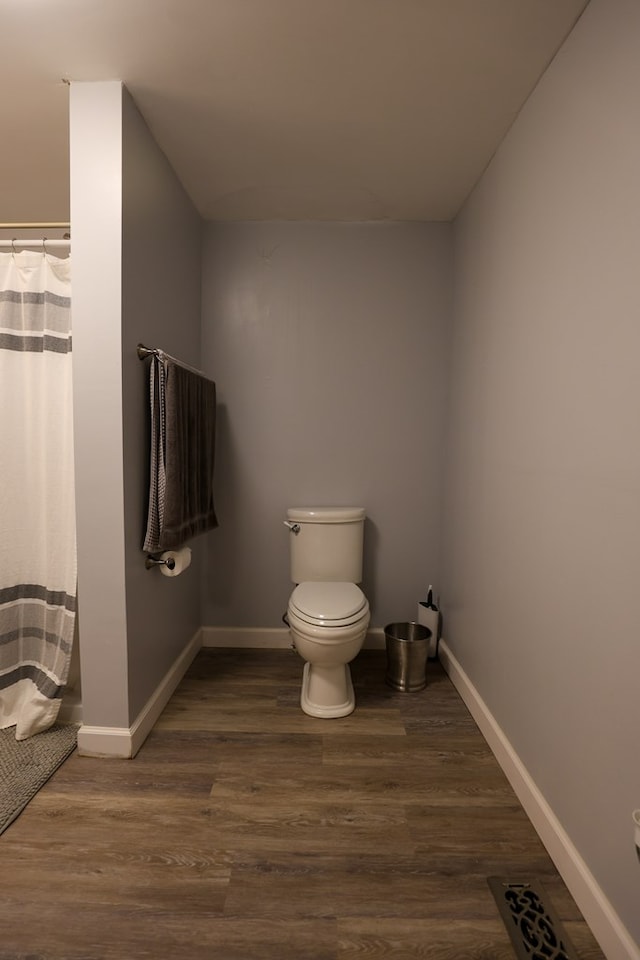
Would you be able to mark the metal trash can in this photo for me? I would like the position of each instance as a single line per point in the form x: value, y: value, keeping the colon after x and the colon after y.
x: 407, y: 651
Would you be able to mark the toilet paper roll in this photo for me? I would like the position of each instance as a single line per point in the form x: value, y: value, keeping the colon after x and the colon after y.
x: 181, y: 560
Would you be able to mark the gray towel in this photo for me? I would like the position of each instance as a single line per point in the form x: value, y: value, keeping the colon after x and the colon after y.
x: 183, y: 427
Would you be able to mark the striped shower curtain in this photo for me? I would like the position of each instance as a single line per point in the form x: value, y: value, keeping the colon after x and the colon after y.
x: 37, y: 502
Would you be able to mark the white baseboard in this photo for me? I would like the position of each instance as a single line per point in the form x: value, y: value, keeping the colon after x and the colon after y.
x: 126, y: 741
x: 269, y: 639
x: 604, y: 922
x: 246, y: 637
x: 105, y: 741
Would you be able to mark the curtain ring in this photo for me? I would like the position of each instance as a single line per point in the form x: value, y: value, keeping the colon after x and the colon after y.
x: 44, y: 245
x: 13, y: 246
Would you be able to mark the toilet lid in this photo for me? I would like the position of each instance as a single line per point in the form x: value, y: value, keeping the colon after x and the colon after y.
x: 328, y: 604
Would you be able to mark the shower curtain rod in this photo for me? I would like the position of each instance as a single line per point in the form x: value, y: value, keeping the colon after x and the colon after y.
x: 34, y: 226
x: 33, y: 242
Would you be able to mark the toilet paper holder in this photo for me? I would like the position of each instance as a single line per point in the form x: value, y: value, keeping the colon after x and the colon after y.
x: 152, y: 561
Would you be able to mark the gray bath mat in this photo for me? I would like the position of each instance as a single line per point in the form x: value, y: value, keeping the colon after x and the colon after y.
x: 26, y: 765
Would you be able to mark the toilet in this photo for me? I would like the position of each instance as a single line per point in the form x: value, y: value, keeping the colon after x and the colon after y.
x: 327, y: 613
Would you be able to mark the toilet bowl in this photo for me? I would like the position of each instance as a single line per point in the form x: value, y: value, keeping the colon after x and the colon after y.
x: 328, y: 623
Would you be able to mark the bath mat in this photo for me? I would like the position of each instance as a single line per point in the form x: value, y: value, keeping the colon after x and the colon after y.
x: 26, y: 765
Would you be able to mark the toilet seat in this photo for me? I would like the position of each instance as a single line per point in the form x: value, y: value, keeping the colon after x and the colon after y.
x: 328, y: 604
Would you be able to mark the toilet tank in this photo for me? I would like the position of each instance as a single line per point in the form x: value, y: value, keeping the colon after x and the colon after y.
x: 328, y: 545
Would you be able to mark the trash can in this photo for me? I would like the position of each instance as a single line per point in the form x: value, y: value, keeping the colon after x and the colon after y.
x: 407, y: 650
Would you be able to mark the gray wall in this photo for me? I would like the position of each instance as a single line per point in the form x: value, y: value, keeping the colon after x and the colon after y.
x: 96, y: 217
x: 136, y: 276
x: 161, y: 244
x: 543, y: 509
x: 328, y: 342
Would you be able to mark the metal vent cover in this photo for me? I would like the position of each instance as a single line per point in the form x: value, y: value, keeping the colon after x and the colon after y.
x: 535, y: 929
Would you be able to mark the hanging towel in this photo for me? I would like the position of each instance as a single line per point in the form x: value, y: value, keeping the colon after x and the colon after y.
x: 183, y: 428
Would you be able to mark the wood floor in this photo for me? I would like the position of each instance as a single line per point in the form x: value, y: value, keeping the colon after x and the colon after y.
x: 245, y: 829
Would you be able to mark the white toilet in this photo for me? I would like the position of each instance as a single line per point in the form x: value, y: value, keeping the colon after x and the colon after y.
x: 328, y: 614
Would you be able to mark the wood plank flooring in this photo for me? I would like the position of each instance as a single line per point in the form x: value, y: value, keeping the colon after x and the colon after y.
x: 246, y: 829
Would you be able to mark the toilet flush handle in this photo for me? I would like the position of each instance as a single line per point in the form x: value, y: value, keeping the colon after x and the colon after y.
x: 294, y: 527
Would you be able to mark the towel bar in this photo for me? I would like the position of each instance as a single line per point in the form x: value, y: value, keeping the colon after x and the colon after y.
x: 144, y: 352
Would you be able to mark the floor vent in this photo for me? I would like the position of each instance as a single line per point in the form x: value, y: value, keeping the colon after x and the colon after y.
x: 536, y: 931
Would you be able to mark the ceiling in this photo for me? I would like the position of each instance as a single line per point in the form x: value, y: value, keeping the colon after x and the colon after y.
x: 280, y: 109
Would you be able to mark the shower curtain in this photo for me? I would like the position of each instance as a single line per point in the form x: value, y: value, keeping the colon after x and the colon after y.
x: 37, y: 499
